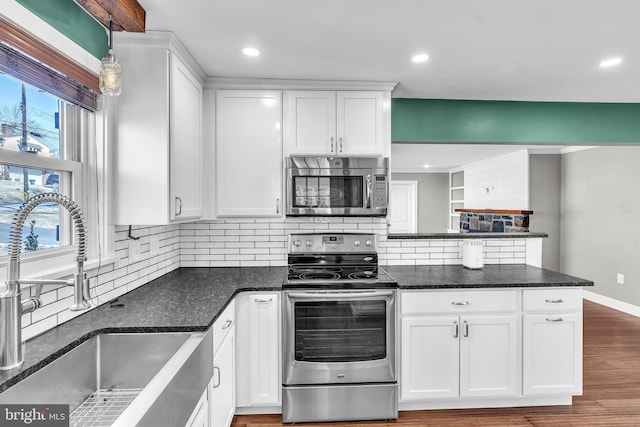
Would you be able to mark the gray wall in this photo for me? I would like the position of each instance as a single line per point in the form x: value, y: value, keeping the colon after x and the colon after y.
x: 545, y: 202
x: 600, y: 234
x: 433, y: 200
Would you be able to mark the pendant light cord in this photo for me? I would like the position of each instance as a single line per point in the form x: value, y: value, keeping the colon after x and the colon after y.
x: 110, y: 32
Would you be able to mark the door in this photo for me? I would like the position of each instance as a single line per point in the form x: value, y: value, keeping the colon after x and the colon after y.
x: 552, y: 361
x: 185, y: 144
x: 403, y: 210
x: 223, y: 393
x: 339, y: 336
x: 311, y: 122
x: 359, y: 123
x: 488, y: 356
x: 258, y: 362
x: 249, y: 161
x: 430, y: 357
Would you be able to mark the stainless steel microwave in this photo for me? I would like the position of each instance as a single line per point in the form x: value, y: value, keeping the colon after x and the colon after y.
x: 337, y: 186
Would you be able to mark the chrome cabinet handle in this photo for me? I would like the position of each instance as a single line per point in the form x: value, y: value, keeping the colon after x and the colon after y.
x: 459, y: 303
x: 177, y: 205
x: 332, y: 144
x: 340, y: 140
x: 554, y: 301
x: 466, y: 329
x: 216, y: 369
x: 263, y: 300
x: 278, y: 206
x: 455, y: 335
x: 227, y: 324
x: 553, y: 319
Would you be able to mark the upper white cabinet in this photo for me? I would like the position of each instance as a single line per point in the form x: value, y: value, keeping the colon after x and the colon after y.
x: 157, y: 132
x: 336, y: 123
x: 248, y: 153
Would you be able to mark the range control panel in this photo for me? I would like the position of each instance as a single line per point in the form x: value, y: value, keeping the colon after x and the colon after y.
x: 338, y: 242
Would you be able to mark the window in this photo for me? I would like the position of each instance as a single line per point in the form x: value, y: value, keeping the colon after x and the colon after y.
x: 51, y: 160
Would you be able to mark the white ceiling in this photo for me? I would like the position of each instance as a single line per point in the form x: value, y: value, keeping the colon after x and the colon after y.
x: 535, y: 50
x: 543, y: 50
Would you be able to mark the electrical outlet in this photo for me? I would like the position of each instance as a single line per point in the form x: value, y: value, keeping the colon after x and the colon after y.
x: 620, y: 279
x: 134, y: 251
x: 154, y: 246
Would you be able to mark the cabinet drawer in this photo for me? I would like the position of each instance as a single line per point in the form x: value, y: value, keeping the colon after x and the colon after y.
x: 551, y: 300
x: 459, y: 302
x: 223, y: 325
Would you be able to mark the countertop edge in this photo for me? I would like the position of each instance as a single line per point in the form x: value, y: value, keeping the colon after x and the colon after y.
x: 460, y: 236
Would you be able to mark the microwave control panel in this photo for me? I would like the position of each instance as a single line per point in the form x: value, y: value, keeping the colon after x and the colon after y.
x: 379, y: 199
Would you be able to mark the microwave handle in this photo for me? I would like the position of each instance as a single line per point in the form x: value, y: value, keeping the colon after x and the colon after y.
x: 368, y: 191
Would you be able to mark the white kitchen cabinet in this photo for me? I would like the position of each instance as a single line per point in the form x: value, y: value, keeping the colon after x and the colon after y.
x: 248, y: 153
x: 223, y: 390
x: 200, y: 415
x: 467, y: 356
x: 552, y: 341
x: 336, y: 123
x: 460, y: 344
x: 157, y: 132
x: 258, y: 355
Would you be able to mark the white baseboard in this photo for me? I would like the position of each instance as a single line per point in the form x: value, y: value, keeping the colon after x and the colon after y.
x: 625, y: 307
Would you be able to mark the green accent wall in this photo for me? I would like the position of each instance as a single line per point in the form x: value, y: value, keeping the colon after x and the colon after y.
x: 450, y: 121
x: 72, y: 21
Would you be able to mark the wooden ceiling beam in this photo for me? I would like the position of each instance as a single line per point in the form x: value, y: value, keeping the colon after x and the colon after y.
x: 128, y: 15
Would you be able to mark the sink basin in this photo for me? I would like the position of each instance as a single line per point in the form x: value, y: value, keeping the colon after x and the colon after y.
x: 115, y: 379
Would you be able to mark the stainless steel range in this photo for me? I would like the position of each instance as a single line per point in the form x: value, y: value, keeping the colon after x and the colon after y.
x: 338, y: 331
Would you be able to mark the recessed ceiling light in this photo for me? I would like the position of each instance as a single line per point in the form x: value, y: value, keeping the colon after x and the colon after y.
x: 611, y: 62
x: 420, y: 57
x: 251, y: 51
x: 426, y: 166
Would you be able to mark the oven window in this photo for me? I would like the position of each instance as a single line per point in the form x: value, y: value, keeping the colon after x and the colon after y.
x: 328, y: 191
x: 340, y: 331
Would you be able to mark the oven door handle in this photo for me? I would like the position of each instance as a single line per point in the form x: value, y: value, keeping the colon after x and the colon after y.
x: 342, y: 294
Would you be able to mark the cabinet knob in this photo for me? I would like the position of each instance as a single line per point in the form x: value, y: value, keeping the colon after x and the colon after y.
x: 178, y: 206
x: 340, y: 140
x: 331, y: 139
x: 459, y: 303
x: 554, y: 301
x: 553, y: 319
x: 216, y: 384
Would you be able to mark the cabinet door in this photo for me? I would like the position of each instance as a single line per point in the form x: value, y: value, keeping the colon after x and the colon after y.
x: 200, y: 415
x: 249, y: 157
x: 223, y: 393
x: 489, y: 356
x: 185, y: 144
x: 259, y: 382
x: 552, y: 353
x: 311, y: 122
x: 359, y: 122
x: 430, y: 357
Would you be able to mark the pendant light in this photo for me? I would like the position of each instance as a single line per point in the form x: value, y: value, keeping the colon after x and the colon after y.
x: 110, y: 69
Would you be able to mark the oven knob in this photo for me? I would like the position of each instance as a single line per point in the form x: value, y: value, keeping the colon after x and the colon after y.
x: 296, y: 242
x: 309, y: 243
x: 368, y: 243
x: 357, y: 242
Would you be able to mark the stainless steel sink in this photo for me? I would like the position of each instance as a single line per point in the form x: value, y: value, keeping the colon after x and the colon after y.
x: 115, y: 379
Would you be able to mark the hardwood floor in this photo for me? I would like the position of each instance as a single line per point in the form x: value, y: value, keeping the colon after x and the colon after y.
x: 611, y: 394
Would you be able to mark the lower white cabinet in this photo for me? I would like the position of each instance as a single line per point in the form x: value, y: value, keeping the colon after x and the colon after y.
x: 200, y: 415
x: 552, y: 342
x: 223, y: 393
x: 459, y: 356
x: 258, y: 354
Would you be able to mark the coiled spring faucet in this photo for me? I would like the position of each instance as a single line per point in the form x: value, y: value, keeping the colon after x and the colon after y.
x: 12, y: 307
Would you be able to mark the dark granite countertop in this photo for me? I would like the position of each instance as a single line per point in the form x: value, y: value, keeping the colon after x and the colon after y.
x: 184, y: 300
x: 191, y: 299
x: 440, y: 236
x: 490, y: 276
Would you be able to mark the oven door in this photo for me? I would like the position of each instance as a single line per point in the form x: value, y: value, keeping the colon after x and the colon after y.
x: 339, y: 336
